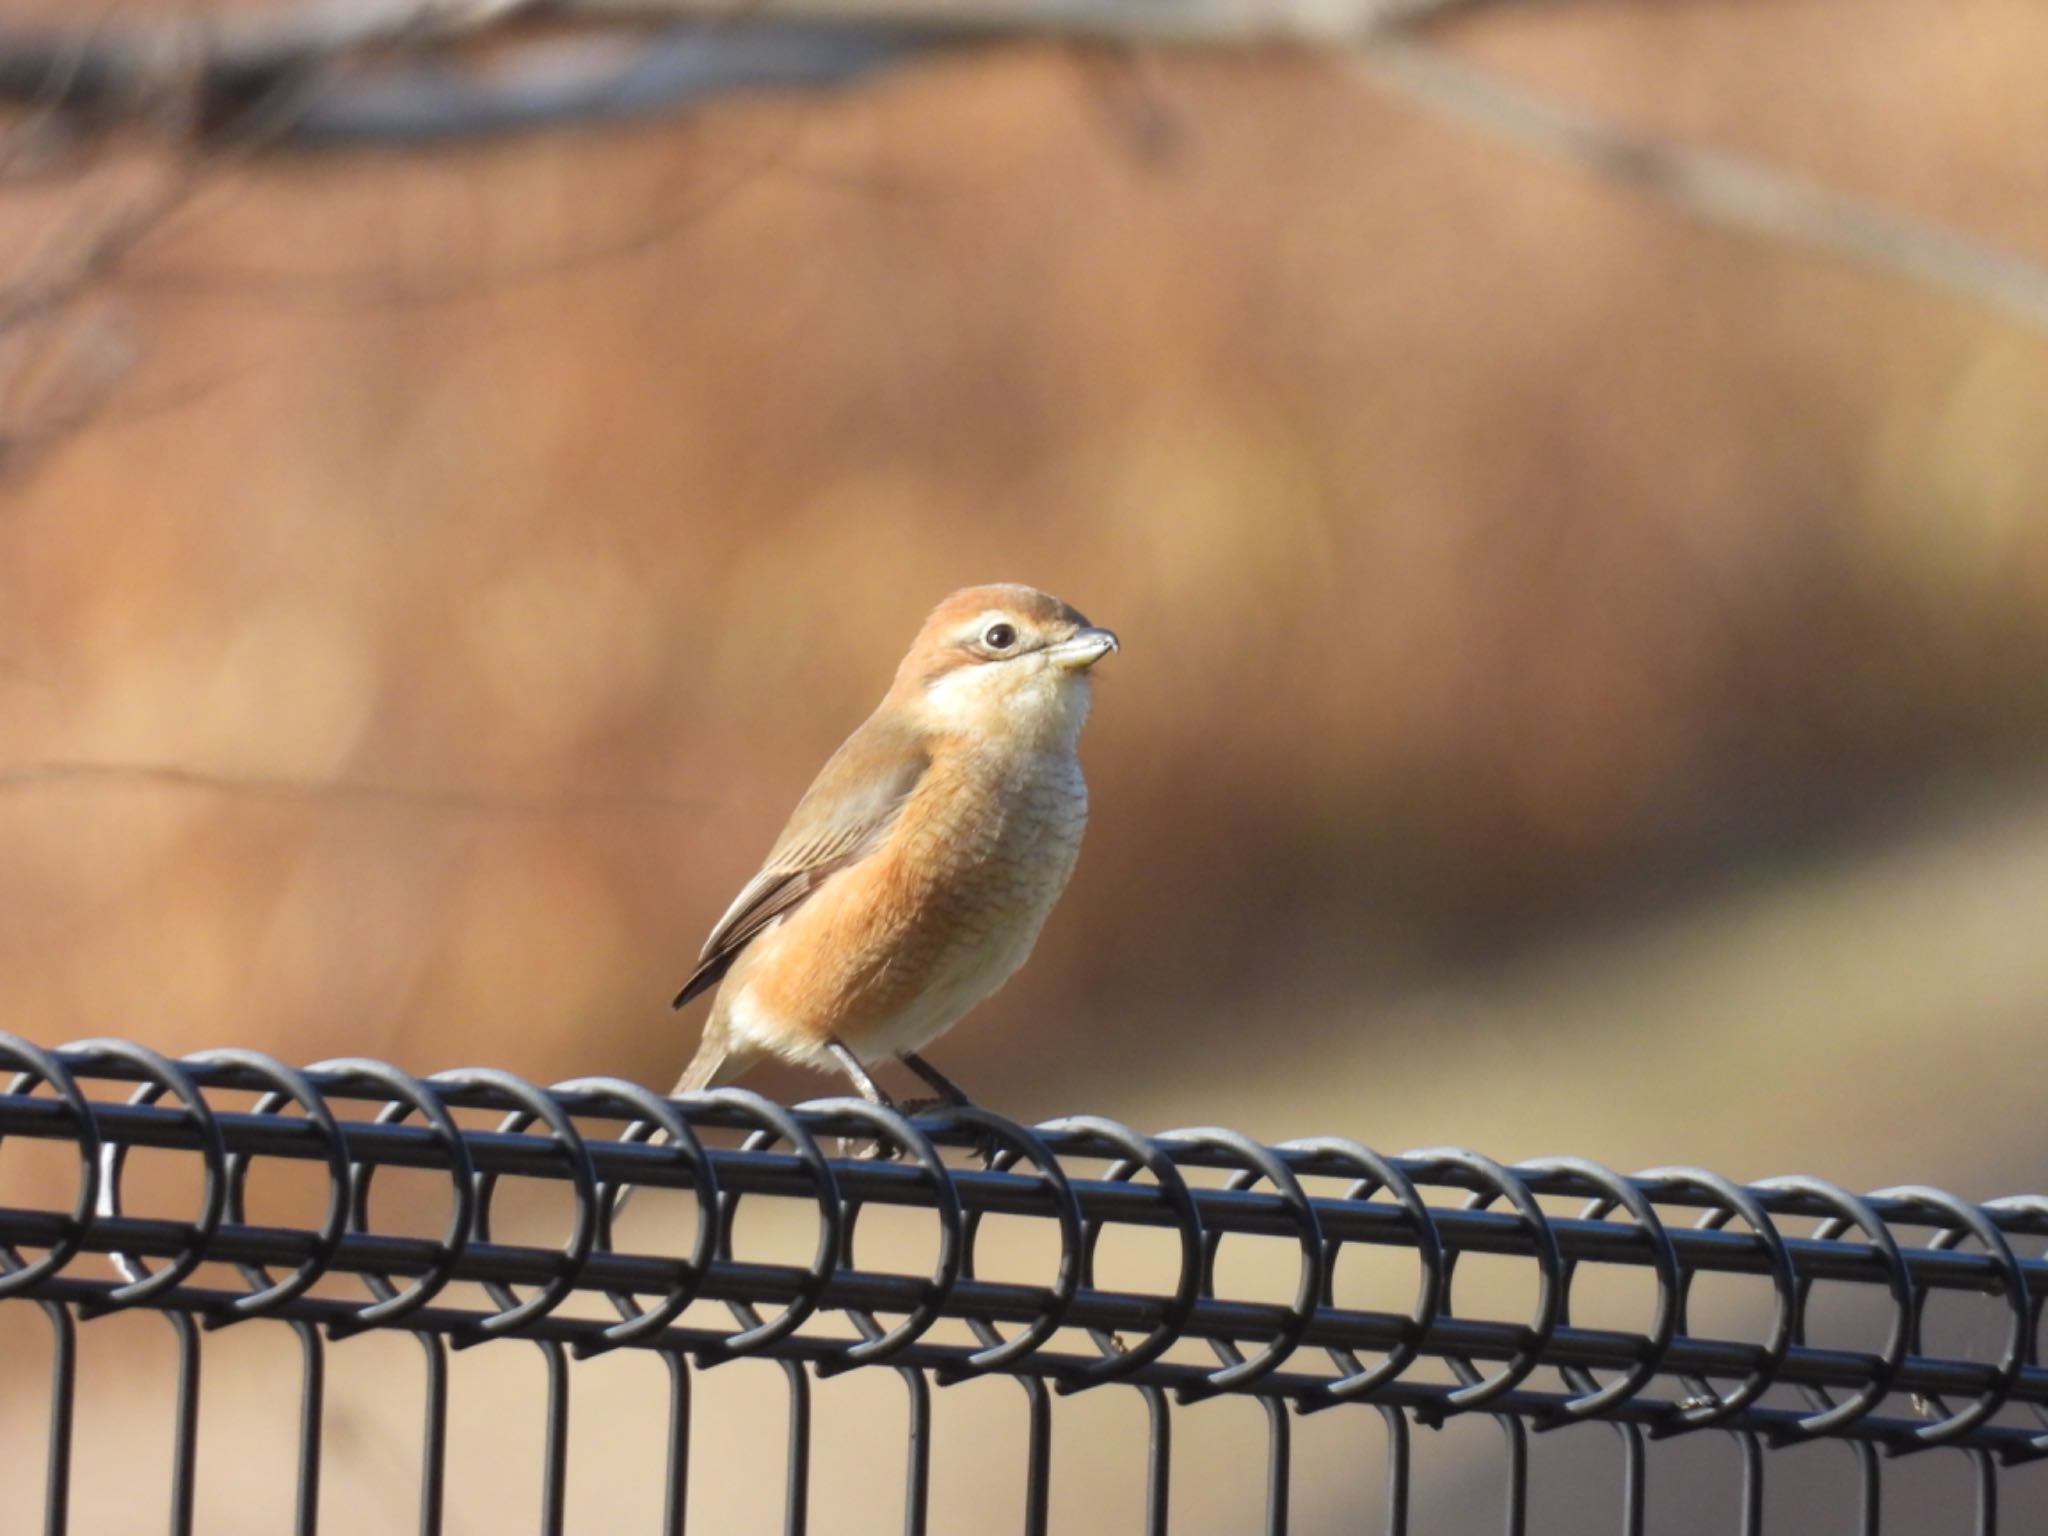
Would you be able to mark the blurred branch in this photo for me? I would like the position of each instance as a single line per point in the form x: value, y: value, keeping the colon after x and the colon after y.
x: 594, y: 79
x: 583, y: 59
x: 1713, y: 187
x: 58, y: 364
x: 23, y: 778
x: 111, y: 70
x: 85, y: 250
x: 405, y: 72
x: 401, y: 72
x: 127, y: 61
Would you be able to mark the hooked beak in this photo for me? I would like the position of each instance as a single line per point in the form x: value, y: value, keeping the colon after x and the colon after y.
x: 1082, y: 650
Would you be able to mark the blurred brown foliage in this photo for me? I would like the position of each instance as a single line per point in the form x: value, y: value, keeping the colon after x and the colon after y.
x: 1479, y: 536
x: 418, y: 647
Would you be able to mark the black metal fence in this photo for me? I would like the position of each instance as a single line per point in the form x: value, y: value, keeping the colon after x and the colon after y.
x: 1066, y: 1333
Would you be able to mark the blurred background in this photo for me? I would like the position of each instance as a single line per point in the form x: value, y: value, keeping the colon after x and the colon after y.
x: 1584, y: 682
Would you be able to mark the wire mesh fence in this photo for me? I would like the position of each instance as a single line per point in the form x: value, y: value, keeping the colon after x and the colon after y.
x: 1183, y: 1338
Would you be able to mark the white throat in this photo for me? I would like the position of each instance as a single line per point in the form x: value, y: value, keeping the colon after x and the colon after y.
x: 1040, y: 710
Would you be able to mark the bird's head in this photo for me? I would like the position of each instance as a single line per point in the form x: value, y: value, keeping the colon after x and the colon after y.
x: 1005, y: 663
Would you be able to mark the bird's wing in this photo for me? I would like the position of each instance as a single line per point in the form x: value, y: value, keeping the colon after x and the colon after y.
x: 844, y: 816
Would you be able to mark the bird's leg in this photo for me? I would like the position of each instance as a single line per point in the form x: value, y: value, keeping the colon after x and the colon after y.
x: 950, y: 1094
x: 869, y: 1090
x: 851, y: 1064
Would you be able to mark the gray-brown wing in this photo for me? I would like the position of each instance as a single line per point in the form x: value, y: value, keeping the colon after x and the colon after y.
x: 844, y: 816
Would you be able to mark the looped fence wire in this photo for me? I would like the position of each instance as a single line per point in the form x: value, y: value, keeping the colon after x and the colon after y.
x: 1177, y: 1342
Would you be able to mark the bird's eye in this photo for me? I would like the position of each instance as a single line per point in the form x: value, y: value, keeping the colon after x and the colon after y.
x: 999, y: 637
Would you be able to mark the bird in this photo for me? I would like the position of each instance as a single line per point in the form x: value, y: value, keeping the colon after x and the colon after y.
x: 915, y: 873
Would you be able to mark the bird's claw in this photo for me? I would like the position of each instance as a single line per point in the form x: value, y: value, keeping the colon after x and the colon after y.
x: 868, y: 1149
x: 985, y: 1145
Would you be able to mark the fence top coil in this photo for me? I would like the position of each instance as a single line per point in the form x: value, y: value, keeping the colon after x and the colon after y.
x: 1082, y: 1178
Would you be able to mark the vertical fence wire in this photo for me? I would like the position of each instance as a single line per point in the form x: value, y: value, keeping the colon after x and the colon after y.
x: 63, y: 1391
x: 1158, y: 1460
x: 917, y: 1472
x: 676, y: 1468
x: 796, y: 1493
x: 185, y: 1426
x: 434, y: 1437
x: 312, y: 1414
x: 1279, y: 1467
x: 1397, y: 1469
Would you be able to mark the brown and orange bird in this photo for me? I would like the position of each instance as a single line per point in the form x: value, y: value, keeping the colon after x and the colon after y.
x: 916, y: 872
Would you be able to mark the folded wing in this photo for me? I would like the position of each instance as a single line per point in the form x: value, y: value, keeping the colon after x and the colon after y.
x: 843, y: 817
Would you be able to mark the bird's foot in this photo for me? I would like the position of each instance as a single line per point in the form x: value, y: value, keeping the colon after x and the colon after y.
x: 985, y: 1144
x: 869, y: 1149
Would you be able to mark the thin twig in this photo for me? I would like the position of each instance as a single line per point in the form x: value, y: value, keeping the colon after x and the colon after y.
x: 89, y: 248
x: 409, y: 77
x: 1712, y: 186
x: 26, y: 142
x: 126, y: 62
x: 124, y: 69
x: 25, y: 778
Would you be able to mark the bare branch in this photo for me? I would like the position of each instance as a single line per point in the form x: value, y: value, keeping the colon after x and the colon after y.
x: 593, y: 79
x: 581, y: 59
x: 399, y: 72
x: 129, y: 60
x: 343, y: 289
x: 127, y: 69
x: 1714, y: 187
x: 49, y: 385
x: 25, y: 778
x: 84, y: 251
